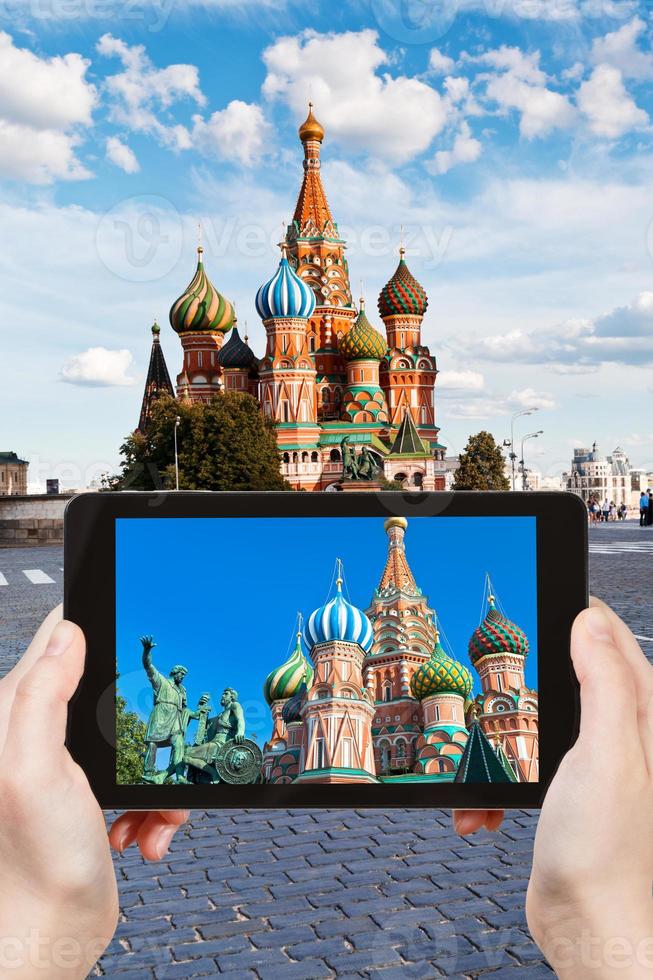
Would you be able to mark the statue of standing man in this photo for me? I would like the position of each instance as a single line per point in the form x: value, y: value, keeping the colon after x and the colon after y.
x: 349, y: 461
x: 168, y: 719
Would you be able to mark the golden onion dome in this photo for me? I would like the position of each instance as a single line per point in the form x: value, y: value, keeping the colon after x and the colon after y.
x: 395, y: 522
x: 311, y: 129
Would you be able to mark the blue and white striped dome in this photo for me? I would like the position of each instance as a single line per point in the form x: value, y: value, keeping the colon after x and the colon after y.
x: 338, y: 620
x: 285, y: 295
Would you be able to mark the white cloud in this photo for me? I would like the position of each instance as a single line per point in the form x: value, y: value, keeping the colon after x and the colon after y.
x: 395, y: 118
x: 460, y: 381
x: 440, y: 63
x: 142, y: 94
x: 238, y: 132
x: 530, y: 398
x: 621, y: 50
x: 518, y: 82
x: 466, y: 149
x: 623, y: 336
x: 45, y: 103
x: 491, y: 405
x: 122, y: 155
x: 609, y: 109
x: 98, y: 367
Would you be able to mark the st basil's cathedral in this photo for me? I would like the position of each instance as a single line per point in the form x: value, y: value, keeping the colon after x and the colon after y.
x: 327, y: 372
x: 380, y: 699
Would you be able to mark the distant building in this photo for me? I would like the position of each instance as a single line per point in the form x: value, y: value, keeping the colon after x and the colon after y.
x: 13, y: 475
x: 610, y: 477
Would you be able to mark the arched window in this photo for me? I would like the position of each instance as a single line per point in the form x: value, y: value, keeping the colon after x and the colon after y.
x: 417, y: 479
x: 315, y: 457
x: 286, y: 457
x: 304, y: 457
x: 326, y: 396
x: 311, y: 343
x: 387, y: 691
x: 295, y: 457
x: 334, y: 455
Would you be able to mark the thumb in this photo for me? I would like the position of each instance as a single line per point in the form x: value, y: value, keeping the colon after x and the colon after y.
x: 41, y: 700
x: 607, y: 688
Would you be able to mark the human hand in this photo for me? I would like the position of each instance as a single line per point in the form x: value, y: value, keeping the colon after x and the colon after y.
x: 148, y: 643
x: 58, y: 895
x: 588, y: 904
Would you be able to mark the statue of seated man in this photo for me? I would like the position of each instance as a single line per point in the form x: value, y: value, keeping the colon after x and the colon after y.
x: 229, y: 725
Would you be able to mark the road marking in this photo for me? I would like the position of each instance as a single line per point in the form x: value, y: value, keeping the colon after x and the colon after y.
x: 646, y: 639
x: 37, y: 577
x: 3, y: 580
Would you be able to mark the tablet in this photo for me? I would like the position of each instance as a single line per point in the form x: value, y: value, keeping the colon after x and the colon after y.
x: 352, y: 649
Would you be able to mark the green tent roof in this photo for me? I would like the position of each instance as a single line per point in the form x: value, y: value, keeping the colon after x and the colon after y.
x: 480, y: 763
x: 407, y: 441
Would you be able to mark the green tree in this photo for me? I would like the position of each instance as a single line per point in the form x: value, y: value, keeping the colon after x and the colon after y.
x: 482, y: 465
x: 130, y: 744
x: 223, y: 444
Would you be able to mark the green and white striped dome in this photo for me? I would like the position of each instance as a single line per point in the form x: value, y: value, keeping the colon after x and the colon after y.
x: 286, y: 680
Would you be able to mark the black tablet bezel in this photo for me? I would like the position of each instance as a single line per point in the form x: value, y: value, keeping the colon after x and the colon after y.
x: 89, y: 600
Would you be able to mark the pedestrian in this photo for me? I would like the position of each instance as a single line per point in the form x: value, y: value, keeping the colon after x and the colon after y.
x: 595, y: 510
x: 606, y: 510
x: 649, y: 513
x: 623, y: 512
x: 613, y: 511
x: 643, y: 508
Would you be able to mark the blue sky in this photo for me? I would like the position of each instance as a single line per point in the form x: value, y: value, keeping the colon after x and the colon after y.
x: 510, y: 138
x: 233, y: 621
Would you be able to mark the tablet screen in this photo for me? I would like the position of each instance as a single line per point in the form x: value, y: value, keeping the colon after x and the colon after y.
x: 326, y: 650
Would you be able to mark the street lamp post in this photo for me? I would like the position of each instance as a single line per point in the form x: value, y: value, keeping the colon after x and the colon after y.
x: 531, y: 435
x: 177, y: 421
x: 513, y: 454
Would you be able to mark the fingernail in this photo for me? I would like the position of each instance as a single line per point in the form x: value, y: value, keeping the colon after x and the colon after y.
x: 598, y: 624
x: 60, y: 639
x: 463, y: 825
x: 162, y: 842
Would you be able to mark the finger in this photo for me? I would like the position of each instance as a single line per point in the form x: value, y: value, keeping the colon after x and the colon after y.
x: 125, y: 829
x: 607, y: 686
x: 36, y: 647
x: 157, y: 831
x: 494, y: 819
x: 467, y: 822
x: 41, y: 698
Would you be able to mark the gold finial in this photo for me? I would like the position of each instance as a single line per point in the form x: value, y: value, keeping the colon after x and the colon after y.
x: 246, y: 340
x: 491, y: 599
x: 311, y: 129
x: 362, y: 303
x: 395, y: 522
x: 300, y: 620
x: 402, y: 248
x: 339, y: 571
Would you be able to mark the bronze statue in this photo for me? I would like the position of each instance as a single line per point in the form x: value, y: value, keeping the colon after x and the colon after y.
x: 228, y: 726
x: 366, y: 465
x: 169, y: 717
x: 349, y: 461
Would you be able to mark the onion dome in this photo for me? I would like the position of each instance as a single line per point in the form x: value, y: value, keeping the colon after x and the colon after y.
x: 285, y: 295
x: 441, y: 674
x: 156, y: 329
x: 311, y: 129
x: 362, y: 342
x: 292, y: 709
x: 496, y: 635
x: 201, y: 307
x: 402, y: 294
x: 236, y: 353
x: 338, y: 620
x: 286, y: 680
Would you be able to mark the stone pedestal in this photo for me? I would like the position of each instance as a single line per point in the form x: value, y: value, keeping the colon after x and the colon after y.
x: 356, y: 486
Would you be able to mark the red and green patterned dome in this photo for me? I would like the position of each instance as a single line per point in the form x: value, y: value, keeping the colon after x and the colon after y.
x: 441, y: 674
x: 497, y: 635
x: 201, y: 307
x: 286, y: 680
x: 402, y: 294
x: 362, y: 342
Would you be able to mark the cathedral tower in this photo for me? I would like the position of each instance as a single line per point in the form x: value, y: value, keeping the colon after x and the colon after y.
x: 201, y: 316
x: 409, y: 372
x: 158, y: 380
x: 507, y: 710
x: 362, y: 349
x: 317, y: 253
x: 404, y: 637
x: 337, y: 714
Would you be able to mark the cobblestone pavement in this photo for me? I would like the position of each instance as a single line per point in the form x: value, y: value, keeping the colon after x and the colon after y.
x: 331, y: 893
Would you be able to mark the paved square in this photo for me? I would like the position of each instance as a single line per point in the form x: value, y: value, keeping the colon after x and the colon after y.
x: 329, y: 893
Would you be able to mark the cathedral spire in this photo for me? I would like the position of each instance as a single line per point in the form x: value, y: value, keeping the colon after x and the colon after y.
x: 312, y: 207
x: 158, y: 380
x: 397, y: 573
